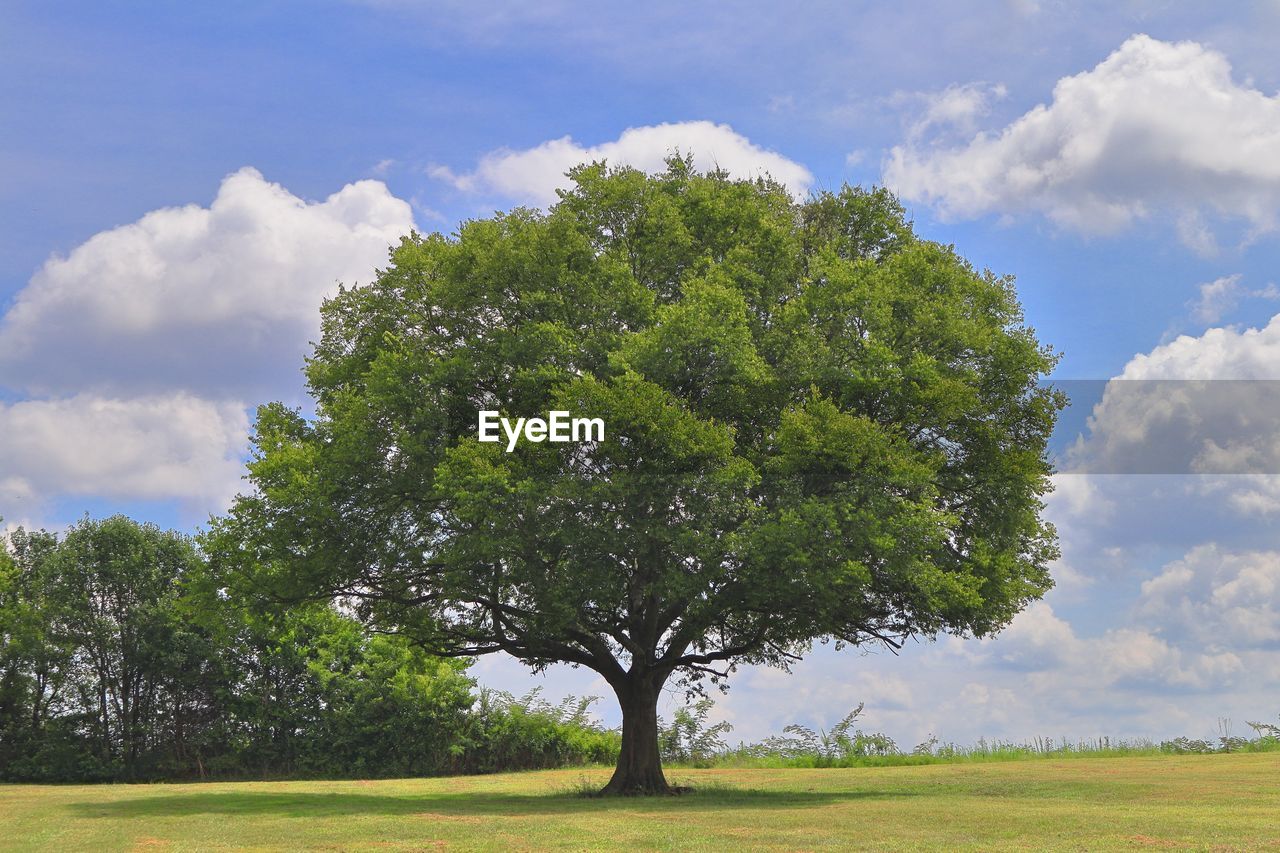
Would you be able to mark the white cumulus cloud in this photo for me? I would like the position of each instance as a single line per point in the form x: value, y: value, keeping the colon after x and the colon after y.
x: 956, y: 107
x: 1040, y: 641
x: 1205, y: 404
x: 1219, y: 353
x: 1154, y: 126
x: 155, y: 447
x: 1220, y: 296
x: 219, y: 300
x: 533, y: 175
x: 1219, y: 597
x: 132, y: 362
x: 1217, y: 297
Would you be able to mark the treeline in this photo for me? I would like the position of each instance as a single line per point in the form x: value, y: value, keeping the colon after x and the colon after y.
x: 125, y: 658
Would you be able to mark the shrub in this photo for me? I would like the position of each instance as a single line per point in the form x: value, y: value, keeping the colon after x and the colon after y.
x: 530, y: 733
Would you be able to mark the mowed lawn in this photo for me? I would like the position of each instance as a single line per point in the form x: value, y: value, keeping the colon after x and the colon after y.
x: 1196, y: 802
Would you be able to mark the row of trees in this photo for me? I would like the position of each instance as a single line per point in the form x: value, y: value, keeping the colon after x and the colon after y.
x: 125, y: 656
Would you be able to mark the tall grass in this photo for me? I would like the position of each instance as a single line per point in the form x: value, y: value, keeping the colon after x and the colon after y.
x: 843, y: 745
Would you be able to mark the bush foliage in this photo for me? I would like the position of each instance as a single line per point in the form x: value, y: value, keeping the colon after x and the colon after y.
x: 124, y: 657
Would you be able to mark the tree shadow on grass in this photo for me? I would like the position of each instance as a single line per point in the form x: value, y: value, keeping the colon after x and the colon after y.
x: 310, y: 805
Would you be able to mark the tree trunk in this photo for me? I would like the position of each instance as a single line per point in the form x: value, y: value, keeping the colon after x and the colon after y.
x: 639, y: 768
x: 106, y: 720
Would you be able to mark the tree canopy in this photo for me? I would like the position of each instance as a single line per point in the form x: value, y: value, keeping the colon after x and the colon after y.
x: 820, y: 427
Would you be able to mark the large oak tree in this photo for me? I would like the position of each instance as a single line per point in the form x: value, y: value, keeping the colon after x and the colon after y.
x: 819, y: 427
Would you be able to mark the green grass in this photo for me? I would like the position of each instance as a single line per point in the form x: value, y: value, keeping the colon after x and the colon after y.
x: 1190, y: 802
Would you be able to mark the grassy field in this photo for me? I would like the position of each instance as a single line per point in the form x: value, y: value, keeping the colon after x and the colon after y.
x: 1190, y: 802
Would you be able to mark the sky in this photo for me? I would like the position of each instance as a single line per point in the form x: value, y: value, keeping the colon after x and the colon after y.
x: 182, y: 184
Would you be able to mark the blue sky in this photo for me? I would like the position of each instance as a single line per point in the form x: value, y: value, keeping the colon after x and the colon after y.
x: 180, y: 184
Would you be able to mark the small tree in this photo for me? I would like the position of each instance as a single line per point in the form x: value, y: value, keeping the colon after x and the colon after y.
x: 690, y: 737
x: 34, y: 665
x: 112, y: 587
x: 819, y: 427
